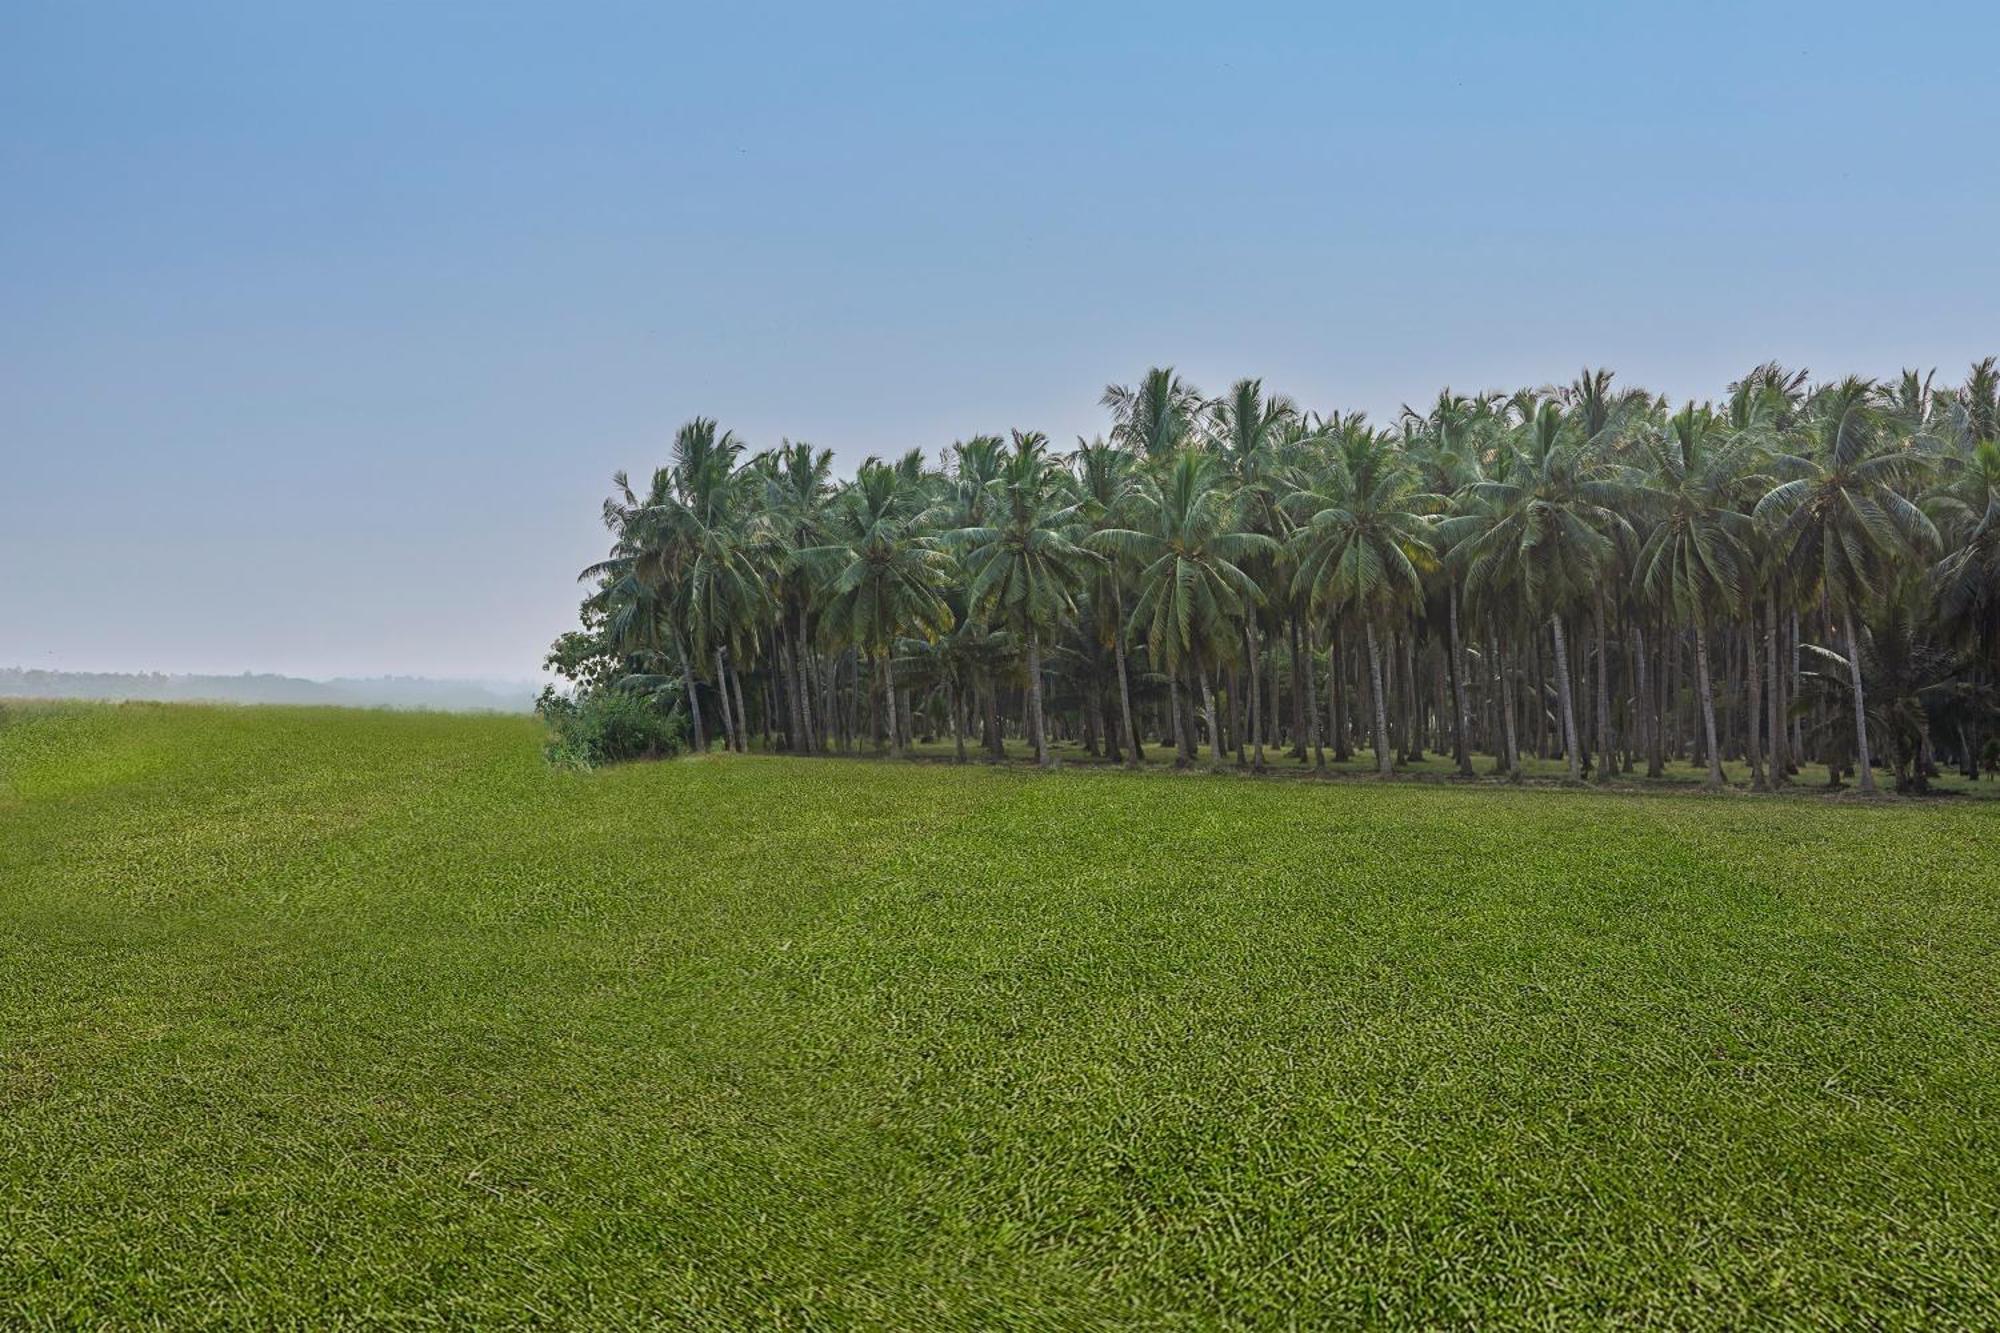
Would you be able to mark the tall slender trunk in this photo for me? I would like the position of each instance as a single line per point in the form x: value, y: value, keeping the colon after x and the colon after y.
x: 1256, y: 696
x: 1382, y: 761
x: 1036, y: 722
x: 742, y: 718
x: 1863, y: 769
x: 1336, y: 696
x: 1645, y: 702
x: 1798, y: 745
x: 1183, y: 751
x: 722, y: 701
x: 957, y: 729
x: 1753, y: 679
x: 1541, y: 701
x: 1460, y: 706
x: 1303, y: 701
x: 1236, y: 718
x: 1208, y: 711
x: 1134, y: 755
x: 693, y: 699
x: 889, y: 702
x: 1707, y: 701
x: 996, y: 734
x: 1509, y: 758
x: 1780, y: 757
x: 1566, y: 701
x: 1413, y: 736
x: 1606, y: 744
x: 1307, y: 689
x: 802, y: 654
x: 792, y: 663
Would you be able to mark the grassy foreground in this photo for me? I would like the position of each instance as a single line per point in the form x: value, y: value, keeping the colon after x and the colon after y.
x: 323, y: 1015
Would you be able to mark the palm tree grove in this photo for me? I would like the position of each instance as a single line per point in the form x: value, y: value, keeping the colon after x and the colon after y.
x: 1586, y: 582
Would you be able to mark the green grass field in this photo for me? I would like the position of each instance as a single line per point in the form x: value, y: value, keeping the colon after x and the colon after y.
x: 321, y: 1016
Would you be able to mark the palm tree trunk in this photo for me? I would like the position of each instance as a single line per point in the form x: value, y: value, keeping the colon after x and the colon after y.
x: 889, y: 702
x: 957, y: 730
x: 1336, y: 696
x: 1541, y: 697
x: 1382, y: 761
x: 1208, y: 711
x: 1565, y: 701
x: 1780, y: 758
x: 1509, y: 758
x: 1256, y: 696
x: 1133, y: 755
x: 687, y: 687
x: 996, y: 735
x: 742, y: 718
x: 1236, y: 717
x: 1606, y: 746
x: 1645, y: 702
x: 1707, y: 700
x: 1308, y: 690
x: 722, y: 701
x: 802, y: 655
x: 1303, y: 700
x: 1413, y: 737
x: 1754, y: 685
x: 1863, y: 769
x: 1460, y: 705
x: 1035, y: 718
x: 791, y: 655
x: 1183, y: 754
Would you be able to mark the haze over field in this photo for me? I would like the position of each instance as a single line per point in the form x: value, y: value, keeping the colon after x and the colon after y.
x: 457, y: 696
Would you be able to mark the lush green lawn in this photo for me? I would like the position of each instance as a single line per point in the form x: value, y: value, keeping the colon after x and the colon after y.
x: 308, y: 1013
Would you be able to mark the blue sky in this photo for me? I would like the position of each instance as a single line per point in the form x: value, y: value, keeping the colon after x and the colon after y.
x: 323, y: 327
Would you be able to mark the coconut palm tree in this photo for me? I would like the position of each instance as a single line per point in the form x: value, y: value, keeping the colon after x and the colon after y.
x: 1194, y: 593
x: 1542, y: 534
x: 1250, y: 429
x: 1104, y: 474
x: 794, y: 515
x: 1364, y: 534
x: 1697, y: 557
x: 1156, y: 419
x: 1024, y: 568
x: 881, y: 574
x: 1839, y: 517
x: 1444, y: 445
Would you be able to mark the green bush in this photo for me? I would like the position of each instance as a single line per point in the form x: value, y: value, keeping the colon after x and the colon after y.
x: 608, y: 726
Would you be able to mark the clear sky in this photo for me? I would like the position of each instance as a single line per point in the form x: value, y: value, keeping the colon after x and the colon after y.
x: 322, y: 327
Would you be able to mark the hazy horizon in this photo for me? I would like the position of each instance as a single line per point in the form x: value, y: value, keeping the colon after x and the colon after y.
x: 321, y: 332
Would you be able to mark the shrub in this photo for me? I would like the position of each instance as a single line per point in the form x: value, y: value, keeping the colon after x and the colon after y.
x: 608, y: 726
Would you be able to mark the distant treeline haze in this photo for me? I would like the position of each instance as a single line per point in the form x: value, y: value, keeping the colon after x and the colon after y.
x: 1794, y: 572
x: 264, y: 688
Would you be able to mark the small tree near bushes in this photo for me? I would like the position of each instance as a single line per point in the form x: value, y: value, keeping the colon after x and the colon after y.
x: 608, y: 726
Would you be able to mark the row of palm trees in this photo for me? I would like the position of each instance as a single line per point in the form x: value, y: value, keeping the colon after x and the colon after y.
x: 1793, y: 572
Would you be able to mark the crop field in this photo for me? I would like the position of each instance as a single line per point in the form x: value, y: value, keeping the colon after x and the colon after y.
x: 318, y: 1016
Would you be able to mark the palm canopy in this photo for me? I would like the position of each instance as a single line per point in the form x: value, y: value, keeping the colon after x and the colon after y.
x: 1156, y: 419
x: 880, y: 574
x: 1545, y: 524
x: 1025, y: 570
x: 1839, y: 517
x: 1187, y: 548
x: 1697, y: 556
x: 1365, y: 532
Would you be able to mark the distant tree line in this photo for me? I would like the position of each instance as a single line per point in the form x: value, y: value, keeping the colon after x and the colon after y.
x: 1793, y: 573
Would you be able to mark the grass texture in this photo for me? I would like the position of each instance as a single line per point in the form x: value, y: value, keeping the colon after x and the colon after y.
x: 330, y: 1017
